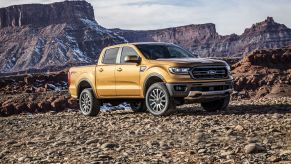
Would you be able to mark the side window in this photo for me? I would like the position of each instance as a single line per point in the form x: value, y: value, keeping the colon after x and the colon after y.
x: 127, y: 51
x: 110, y: 56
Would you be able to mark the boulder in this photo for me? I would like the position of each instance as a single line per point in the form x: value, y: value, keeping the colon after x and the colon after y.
x: 59, y: 104
x: 28, y: 80
x: 44, y: 106
x: 32, y: 107
x: 21, y: 107
x: 73, y: 103
x: 8, y: 109
x: 263, y: 91
x: 254, y: 148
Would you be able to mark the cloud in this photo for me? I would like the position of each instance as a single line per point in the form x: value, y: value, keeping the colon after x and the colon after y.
x: 230, y: 16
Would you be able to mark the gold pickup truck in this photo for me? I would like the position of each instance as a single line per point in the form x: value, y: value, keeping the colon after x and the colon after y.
x: 151, y: 76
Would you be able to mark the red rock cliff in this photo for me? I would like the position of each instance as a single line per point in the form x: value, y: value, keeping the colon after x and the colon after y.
x: 40, y: 14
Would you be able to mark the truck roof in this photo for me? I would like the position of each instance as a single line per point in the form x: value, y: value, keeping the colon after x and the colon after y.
x: 140, y: 43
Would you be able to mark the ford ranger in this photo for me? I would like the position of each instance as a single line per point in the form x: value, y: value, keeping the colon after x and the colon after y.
x: 155, y: 77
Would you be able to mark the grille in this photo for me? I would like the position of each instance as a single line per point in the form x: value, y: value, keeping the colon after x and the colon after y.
x: 213, y: 72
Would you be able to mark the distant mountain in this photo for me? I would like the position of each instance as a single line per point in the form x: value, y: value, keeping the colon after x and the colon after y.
x: 50, y: 37
x: 203, y: 39
x: 37, y: 37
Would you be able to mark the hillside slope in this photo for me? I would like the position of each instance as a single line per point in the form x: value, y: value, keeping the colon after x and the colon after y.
x: 205, y: 41
x: 38, y: 37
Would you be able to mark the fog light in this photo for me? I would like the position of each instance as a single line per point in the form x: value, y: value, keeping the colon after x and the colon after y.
x: 180, y: 88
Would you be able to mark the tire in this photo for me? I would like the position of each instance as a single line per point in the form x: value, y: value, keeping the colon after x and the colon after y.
x: 138, y: 106
x: 216, y: 105
x: 158, y: 100
x: 89, y: 105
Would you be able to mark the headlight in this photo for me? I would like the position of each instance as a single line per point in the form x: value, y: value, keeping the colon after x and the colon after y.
x: 227, y: 67
x: 228, y: 70
x: 179, y: 70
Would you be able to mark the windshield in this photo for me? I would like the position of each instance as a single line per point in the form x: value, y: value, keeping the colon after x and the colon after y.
x: 156, y: 51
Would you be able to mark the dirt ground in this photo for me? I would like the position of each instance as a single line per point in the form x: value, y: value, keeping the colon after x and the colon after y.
x: 250, y: 131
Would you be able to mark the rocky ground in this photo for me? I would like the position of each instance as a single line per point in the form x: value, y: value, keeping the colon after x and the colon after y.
x: 263, y: 73
x: 250, y: 131
x: 36, y: 83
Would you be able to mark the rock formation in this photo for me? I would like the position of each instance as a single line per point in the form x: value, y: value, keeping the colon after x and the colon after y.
x: 264, y: 73
x: 44, y: 15
x: 50, y: 37
x: 38, y: 38
x: 205, y: 41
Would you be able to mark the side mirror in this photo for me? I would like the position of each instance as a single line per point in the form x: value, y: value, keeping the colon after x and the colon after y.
x: 132, y: 59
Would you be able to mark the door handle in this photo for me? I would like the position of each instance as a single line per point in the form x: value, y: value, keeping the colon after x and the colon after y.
x: 101, y: 70
x: 119, y: 69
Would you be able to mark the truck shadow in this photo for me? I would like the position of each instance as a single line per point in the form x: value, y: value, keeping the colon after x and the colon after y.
x: 238, y: 110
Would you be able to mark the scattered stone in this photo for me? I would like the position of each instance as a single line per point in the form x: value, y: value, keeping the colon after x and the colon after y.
x: 254, y: 148
x: 11, y: 142
x: 21, y: 159
x: 239, y: 128
x: 202, y: 150
x: 274, y: 159
x: 191, y: 135
x: 226, y: 153
x: 285, y: 152
x: 109, y: 146
x: 91, y: 141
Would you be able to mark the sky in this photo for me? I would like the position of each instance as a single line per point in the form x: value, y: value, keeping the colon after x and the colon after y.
x: 229, y: 16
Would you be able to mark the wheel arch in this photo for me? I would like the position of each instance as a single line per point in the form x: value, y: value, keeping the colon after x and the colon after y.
x: 83, y: 84
x: 151, y: 79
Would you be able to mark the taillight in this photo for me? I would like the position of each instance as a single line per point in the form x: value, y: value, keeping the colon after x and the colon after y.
x: 69, y: 78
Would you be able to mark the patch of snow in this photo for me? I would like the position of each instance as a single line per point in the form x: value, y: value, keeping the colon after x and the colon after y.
x: 55, y: 88
x: 71, y: 39
x: 9, y: 64
x: 93, y: 25
x: 39, y: 45
x: 107, y: 107
x: 80, y: 56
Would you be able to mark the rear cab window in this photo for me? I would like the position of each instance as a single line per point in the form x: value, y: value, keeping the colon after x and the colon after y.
x: 110, y: 56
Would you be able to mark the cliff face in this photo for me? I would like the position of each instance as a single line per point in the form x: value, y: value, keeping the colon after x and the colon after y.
x: 50, y: 37
x: 204, y: 40
x: 42, y: 15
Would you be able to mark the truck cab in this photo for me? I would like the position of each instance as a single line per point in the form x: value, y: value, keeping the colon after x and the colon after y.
x: 151, y: 76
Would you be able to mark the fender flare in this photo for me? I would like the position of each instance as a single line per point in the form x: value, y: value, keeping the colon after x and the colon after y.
x: 85, y: 80
x: 150, y: 76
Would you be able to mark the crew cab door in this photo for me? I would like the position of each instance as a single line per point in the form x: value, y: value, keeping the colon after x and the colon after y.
x: 105, y: 73
x: 127, y: 74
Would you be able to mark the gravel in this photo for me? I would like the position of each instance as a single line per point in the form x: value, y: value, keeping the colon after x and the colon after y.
x: 250, y: 131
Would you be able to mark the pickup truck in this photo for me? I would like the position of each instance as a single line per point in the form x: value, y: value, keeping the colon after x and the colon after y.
x: 154, y: 77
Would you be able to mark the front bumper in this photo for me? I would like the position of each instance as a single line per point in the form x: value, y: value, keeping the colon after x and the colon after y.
x: 205, y: 90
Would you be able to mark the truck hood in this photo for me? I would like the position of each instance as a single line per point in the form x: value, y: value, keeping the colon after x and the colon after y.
x: 189, y: 61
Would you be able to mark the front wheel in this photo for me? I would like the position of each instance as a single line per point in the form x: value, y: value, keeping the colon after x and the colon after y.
x: 89, y: 105
x: 159, y: 101
x: 216, y: 105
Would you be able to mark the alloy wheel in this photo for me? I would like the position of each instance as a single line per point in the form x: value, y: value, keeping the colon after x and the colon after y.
x: 85, y: 103
x: 157, y: 100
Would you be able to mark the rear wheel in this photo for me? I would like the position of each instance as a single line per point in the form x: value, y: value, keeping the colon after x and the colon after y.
x: 216, y: 105
x: 89, y: 105
x: 158, y: 100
